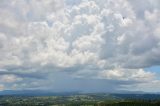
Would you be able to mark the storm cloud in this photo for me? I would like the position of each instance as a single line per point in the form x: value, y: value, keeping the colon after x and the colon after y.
x: 60, y: 44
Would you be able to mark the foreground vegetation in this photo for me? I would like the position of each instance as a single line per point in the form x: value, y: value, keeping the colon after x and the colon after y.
x: 77, y: 100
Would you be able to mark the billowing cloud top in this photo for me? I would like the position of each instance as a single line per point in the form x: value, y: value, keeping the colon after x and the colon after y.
x: 85, y: 45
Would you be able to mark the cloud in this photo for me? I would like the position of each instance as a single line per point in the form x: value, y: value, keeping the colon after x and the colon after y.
x: 114, y: 40
x: 9, y: 78
x: 1, y: 87
x: 128, y: 75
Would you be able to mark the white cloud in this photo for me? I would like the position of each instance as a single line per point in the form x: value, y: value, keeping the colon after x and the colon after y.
x: 150, y: 86
x: 9, y: 78
x: 127, y: 75
x: 87, y: 36
x: 152, y: 16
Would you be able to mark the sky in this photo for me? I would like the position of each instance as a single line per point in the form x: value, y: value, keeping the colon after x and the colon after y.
x: 80, y: 45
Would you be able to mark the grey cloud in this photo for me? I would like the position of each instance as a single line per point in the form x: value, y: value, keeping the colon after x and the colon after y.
x: 77, y: 39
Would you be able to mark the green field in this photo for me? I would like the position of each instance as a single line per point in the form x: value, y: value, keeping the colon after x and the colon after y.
x: 77, y: 100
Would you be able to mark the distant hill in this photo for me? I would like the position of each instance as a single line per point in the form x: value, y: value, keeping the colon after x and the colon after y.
x: 35, y: 93
x: 138, y: 96
x: 125, y: 95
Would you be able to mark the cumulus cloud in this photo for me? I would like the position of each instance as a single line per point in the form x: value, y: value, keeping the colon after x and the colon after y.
x: 9, y: 78
x: 128, y: 75
x: 111, y: 40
